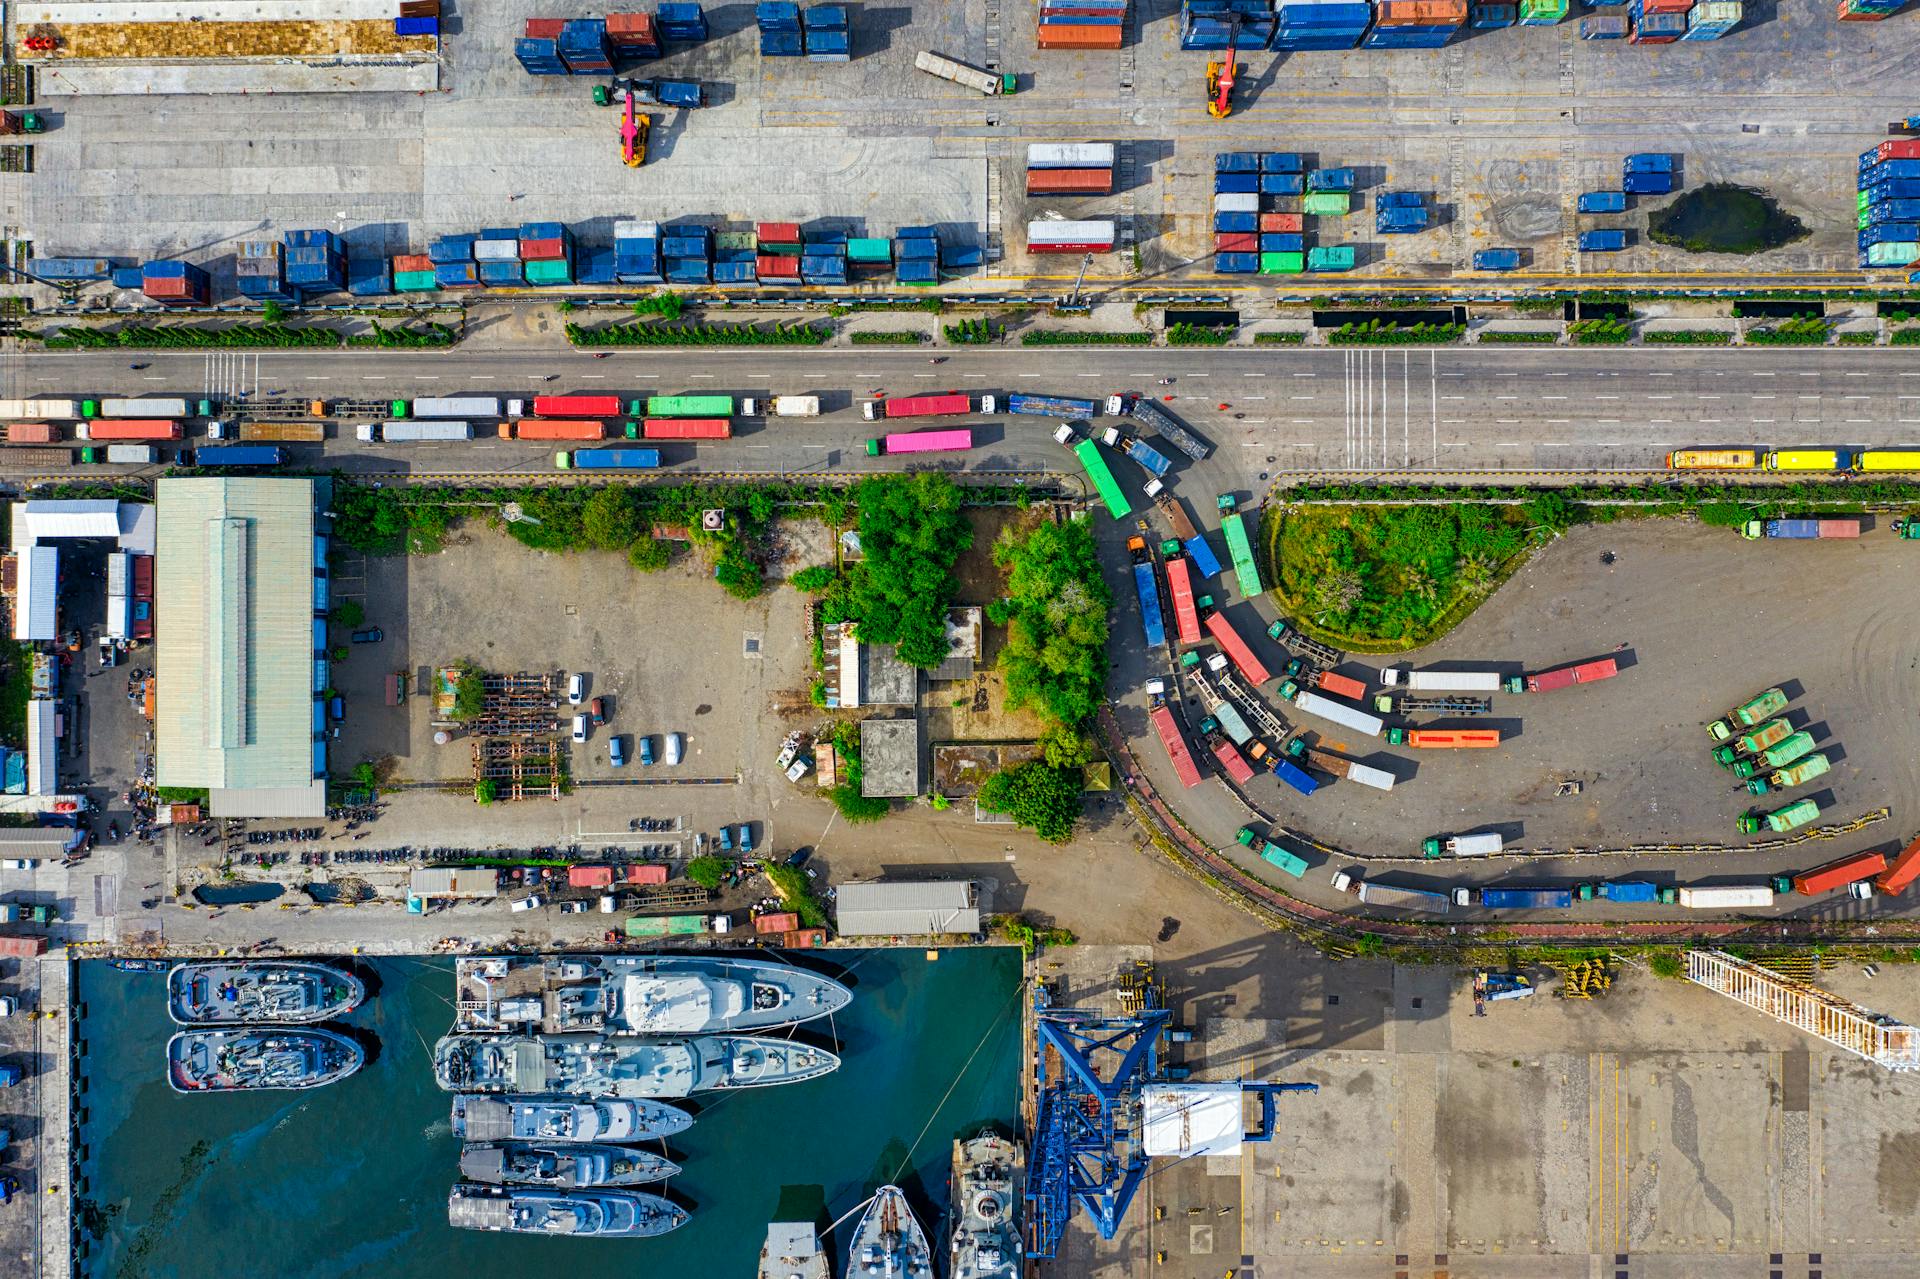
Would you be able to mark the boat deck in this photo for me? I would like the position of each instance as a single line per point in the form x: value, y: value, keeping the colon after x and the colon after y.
x: 479, y: 1214
x: 481, y: 983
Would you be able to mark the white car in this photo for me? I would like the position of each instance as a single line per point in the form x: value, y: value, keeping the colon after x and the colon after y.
x: 19, y: 863
x: 675, y: 746
x: 573, y: 908
x: 528, y: 903
x: 576, y: 690
x: 8, y: 1005
x: 579, y: 728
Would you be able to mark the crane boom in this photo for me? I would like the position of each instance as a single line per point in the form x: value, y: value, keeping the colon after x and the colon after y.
x: 1819, y: 1013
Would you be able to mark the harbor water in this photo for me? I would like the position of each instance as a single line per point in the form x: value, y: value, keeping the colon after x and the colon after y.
x: 351, y: 1180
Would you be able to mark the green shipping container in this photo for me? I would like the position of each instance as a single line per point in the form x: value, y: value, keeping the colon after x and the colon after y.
x: 1864, y: 200
x: 665, y: 925
x: 1282, y: 263
x: 866, y: 250
x: 1332, y: 257
x: 689, y: 406
x: 550, y: 271
x: 734, y: 241
x: 1893, y: 253
x: 415, y: 282
x: 1543, y: 8
x: 1327, y: 204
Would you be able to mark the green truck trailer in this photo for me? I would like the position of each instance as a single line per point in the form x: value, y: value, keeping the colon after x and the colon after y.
x: 666, y: 925
x: 1753, y: 742
x: 1787, y: 778
x: 1747, y: 714
x: 1780, y: 820
x: 1779, y: 755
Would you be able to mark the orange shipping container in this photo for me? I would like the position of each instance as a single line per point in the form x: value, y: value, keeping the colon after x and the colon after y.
x: 805, y: 939
x: 1427, y: 13
x: 412, y: 262
x: 1065, y: 37
x: 1343, y: 685
x: 1069, y: 181
x: 783, y: 922
x: 1905, y: 869
x: 1272, y: 223
x: 589, y: 877
x: 32, y: 433
x: 649, y: 873
x: 1461, y: 739
x: 546, y: 429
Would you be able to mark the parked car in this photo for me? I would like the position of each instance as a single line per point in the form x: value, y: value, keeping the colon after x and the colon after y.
x: 19, y: 863
x: 599, y: 708
x: 798, y: 857
x: 579, y: 728
x: 675, y: 747
x: 371, y: 635
x: 576, y: 689
x: 646, y: 750
x: 574, y: 908
x: 11, y: 1074
x: 9, y: 1187
x: 8, y: 1005
x: 533, y: 901
x: 336, y: 708
x: 617, y: 751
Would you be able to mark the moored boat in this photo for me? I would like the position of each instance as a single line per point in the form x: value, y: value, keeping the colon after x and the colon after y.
x: 565, y: 1119
x: 260, y: 991
x: 793, y: 1251
x: 888, y: 1242
x: 602, y: 1066
x: 581, y: 1214
x: 566, y: 1167
x: 987, y: 1176
x: 639, y: 994
x: 259, y: 1058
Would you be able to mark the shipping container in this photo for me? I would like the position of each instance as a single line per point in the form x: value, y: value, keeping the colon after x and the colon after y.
x: 466, y: 406
x: 408, y: 432
x: 1326, y: 708
x: 1496, y: 260
x: 32, y: 433
x: 960, y: 73
x: 1070, y: 182
x: 1605, y: 241
x: 1176, y: 746
x: 1342, y: 685
x: 607, y: 459
x: 35, y: 458
x: 1070, y: 155
x: 955, y: 440
x: 142, y: 408
x: 686, y: 428
x: 1295, y: 776
x: 589, y: 877
x: 40, y: 408
x: 1713, y: 459
x: 1904, y: 870
x: 129, y: 429
x: 576, y: 406
x: 1726, y: 897
x: 1521, y: 898
x: 1445, y: 738
x: 1051, y: 406
x: 1147, y: 591
x: 1070, y: 237
x: 665, y: 925
x: 1157, y: 420
x: 1565, y: 676
x: 239, y: 455
x: 1635, y: 891
x: 917, y: 406
x: 1440, y: 681
x: 1186, y: 617
x: 686, y: 406
x: 283, y: 432
x: 1234, y: 764
x: 22, y: 947
x: 1237, y: 649
x: 1887, y: 460
x: 1100, y: 477
x: 558, y: 429
x: 1406, y: 898
x: 1839, y: 873
x: 132, y: 454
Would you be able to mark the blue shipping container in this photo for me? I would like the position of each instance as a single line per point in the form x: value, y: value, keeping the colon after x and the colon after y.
x: 1330, y: 180
x: 1283, y: 242
x: 1647, y: 183
x: 1282, y: 183
x: 498, y: 273
x: 1295, y: 776
x: 1236, y: 162
x: 1236, y: 223
x: 1605, y: 241
x: 1602, y: 202
x: 1236, y: 263
x: 1496, y: 260
x: 1630, y: 891
x: 1236, y: 183
x: 416, y: 26
x: 1282, y: 162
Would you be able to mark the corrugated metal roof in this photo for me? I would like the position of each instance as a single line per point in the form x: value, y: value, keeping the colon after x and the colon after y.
x: 455, y: 881
x: 234, y: 636
x: 53, y: 519
x: 309, y: 800
x: 906, y: 908
x: 43, y: 748
x: 36, y: 841
x: 36, y: 593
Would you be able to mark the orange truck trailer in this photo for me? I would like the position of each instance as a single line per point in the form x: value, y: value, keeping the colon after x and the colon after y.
x: 1343, y: 685
x: 1905, y: 869
x: 555, y: 429
x: 1445, y: 738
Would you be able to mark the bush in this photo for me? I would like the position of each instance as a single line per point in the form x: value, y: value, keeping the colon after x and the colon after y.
x: 265, y: 335
x: 699, y: 335
x: 485, y: 791
x: 1686, y: 337
x: 611, y: 518
x: 1055, y: 612
x: 1600, y: 332
x: 738, y: 574
x: 1537, y: 306
x: 1075, y: 337
x: 886, y: 337
x: 1044, y: 799
x: 1389, y: 333
x: 976, y: 332
x: 1815, y: 332
x: 1286, y: 337
x: 1199, y: 335
x: 469, y: 693
x: 814, y: 579
x: 846, y: 797
x: 1666, y: 963
x: 649, y: 554
x: 666, y: 305
x: 708, y: 872
x: 1508, y: 338
x: 1905, y: 337
x: 1856, y: 338
x: 348, y: 613
x: 796, y: 893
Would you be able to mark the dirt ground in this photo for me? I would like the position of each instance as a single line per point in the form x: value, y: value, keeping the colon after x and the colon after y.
x: 224, y: 40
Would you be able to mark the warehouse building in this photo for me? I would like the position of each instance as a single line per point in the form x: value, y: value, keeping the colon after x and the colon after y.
x: 241, y: 654
x: 907, y: 908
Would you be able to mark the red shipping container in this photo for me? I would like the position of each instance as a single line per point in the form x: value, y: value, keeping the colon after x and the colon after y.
x: 1343, y: 685
x: 1087, y: 247
x: 771, y: 266
x: 589, y: 877
x: 647, y: 873
x: 419, y: 8
x: 131, y: 428
x: 631, y: 29
x: 1281, y: 222
x: 23, y: 947
x: 544, y: 28
x: 1066, y: 37
x: 1440, y: 13
x: 784, y: 922
x: 412, y: 262
x: 805, y: 939
x: 1900, y: 149
x: 551, y: 429
x: 1236, y: 242
x: 778, y: 232
x: 1838, y: 874
x: 1905, y: 869
x: 32, y: 433
x: 686, y: 428
x: 171, y: 290
x: 542, y: 250
x: 1637, y: 38
x: 1069, y: 181
x: 1666, y: 6
x: 576, y: 405
x: 143, y: 577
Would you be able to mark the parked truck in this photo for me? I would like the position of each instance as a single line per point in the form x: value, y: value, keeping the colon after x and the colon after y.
x: 1339, y: 685
x: 1779, y: 755
x: 269, y: 432
x: 32, y: 433
x: 1148, y: 591
x: 1340, y: 766
x: 1386, y: 703
x: 1753, y: 741
x: 554, y: 429
x: 1726, y: 897
x: 1747, y: 714
x: 1388, y: 895
x: 466, y: 406
x: 239, y: 455
x: 66, y: 409
x: 1050, y: 406
x: 1171, y: 738
x: 1326, y: 708
x: 1904, y: 870
x: 36, y: 459
x: 1272, y: 853
x: 1441, y: 681
x: 1444, y: 738
x: 1564, y: 677
x: 1191, y: 539
x: 1852, y: 869
x: 1800, y: 530
x: 607, y: 459
x: 960, y: 73
x: 1295, y: 776
x: 131, y: 454
x: 1780, y: 820
x: 1151, y: 460
x: 1482, y: 845
x: 1786, y: 779
x: 1244, y: 659
x: 1231, y: 761
x: 405, y: 432
x: 1155, y: 419
x: 923, y: 406
x: 1636, y: 891
x: 782, y: 406
x: 144, y: 428
x: 1281, y: 633
x: 1514, y: 898
x: 140, y: 408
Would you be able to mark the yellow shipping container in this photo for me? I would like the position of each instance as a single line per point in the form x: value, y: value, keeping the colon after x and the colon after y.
x: 1807, y: 460
x: 1713, y: 460
x: 1888, y: 460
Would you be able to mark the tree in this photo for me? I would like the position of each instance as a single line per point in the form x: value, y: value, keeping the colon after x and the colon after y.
x: 1066, y: 747
x: 813, y: 579
x: 1551, y: 511
x: 469, y: 691
x: 649, y: 554
x: 1038, y: 796
x: 1338, y: 591
x: 911, y: 532
x: 1055, y: 611
x: 485, y: 791
x: 272, y: 313
x: 611, y: 519
x: 737, y: 573
x: 708, y: 872
x: 349, y: 613
x: 564, y: 307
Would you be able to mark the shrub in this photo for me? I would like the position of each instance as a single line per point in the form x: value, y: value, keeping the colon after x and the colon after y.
x: 699, y: 335
x: 975, y: 332
x: 1504, y: 337
x: 1286, y: 337
x: 796, y: 893
x: 1905, y: 337
x: 649, y: 554
x: 1075, y: 337
x: 814, y: 578
x: 1814, y: 332
x: 707, y: 871
x: 1666, y: 963
x: 1389, y: 333
x: 1687, y: 337
x: 485, y: 791
x: 886, y: 337
x: 1600, y: 332
x: 1199, y: 335
x: 665, y: 305
x: 1044, y: 799
x: 1856, y: 338
x: 348, y: 613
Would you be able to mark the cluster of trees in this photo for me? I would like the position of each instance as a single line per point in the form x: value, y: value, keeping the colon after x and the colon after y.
x: 270, y: 333
x: 912, y: 530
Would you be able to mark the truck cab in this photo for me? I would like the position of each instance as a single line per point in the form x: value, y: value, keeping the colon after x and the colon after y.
x: 1063, y: 435
x: 1117, y: 405
x: 1343, y: 881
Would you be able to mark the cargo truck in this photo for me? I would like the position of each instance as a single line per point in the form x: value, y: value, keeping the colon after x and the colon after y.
x: 32, y: 433
x: 105, y: 431
x: 1386, y: 702
x: 1787, y: 779
x: 686, y: 428
x: 960, y: 73
x: 1230, y: 642
x: 1783, y: 753
x: 1800, y: 530
x: 132, y: 454
x: 142, y: 408
x: 1444, y: 738
x: 607, y: 460
x: 956, y: 440
x: 1726, y: 897
x: 1747, y: 714
x: 554, y: 429
x: 40, y: 408
x: 1635, y: 891
x: 1904, y: 870
x: 1564, y: 677
x: 467, y: 406
x: 782, y: 406
x: 577, y: 406
x: 1228, y: 719
x: 1097, y: 472
x: 676, y: 925
x: 269, y: 432
x: 1325, y: 654
x: 1851, y: 869
x: 1272, y: 853
x: 1441, y: 681
x: 681, y: 406
x: 1148, y: 592
x: 1245, y: 571
x: 1191, y: 539
x: 239, y: 455
x: 923, y: 406
x: 1150, y: 460
x: 1186, y: 617
x: 1149, y: 415
x: 1295, y: 776
x: 1780, y: 820
x: 1230, y: 758
x: 1482, y: 845
x: 1514, y: 898
x: 1387, y: 895
x: 1339, y: 685
x: 1326, y: 708
x: 1753, y: 741
x: 1340, y: 766
x: 1049, y: 406
x: 36, y: 459
x: 1172, y: 741
x: 405, y: 432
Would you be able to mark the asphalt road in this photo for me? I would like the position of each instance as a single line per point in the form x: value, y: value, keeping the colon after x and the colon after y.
x: 1456, y: 410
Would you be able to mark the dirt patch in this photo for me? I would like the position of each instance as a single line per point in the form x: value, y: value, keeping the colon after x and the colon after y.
x: 96, y: 40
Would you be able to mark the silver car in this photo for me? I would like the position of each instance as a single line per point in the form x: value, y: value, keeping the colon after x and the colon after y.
x: 676, y: 745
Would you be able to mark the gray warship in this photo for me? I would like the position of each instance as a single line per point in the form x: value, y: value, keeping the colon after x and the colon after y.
x: 580, y: 1214
x: 564, y: 1167
x: 987, y: 1180
x: 638, y: 994
x: 253, y: 1058
x: 589, y: 1065
x: 564, y: 1119
x: 889, y: 1243
x: 254, y: 991
x: 793, y: 1251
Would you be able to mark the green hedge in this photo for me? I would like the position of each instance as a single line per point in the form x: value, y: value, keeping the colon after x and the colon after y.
x: 1289, y: 337
x: 1792, y: 333
x: 1500, y: 337
x: 1670, y: 498
x: 1600, y: 332
x: 1199, y: 335
x: 274, y: 336
x: 1071, y: 337
x: 975, y: 332
x: 1388, y: 333
x: 887, y: 337
x: 1855, y: 338
x: 699, y: 335
x: 1905, y: 337
x: 1687, y: 337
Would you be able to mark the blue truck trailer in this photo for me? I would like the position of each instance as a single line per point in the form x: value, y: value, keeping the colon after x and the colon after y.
x: 607, y: 459
x: 1602, y: 202
x: 1149, y: 592
x: 1496, y: 259
x: 1630, y: 890
x: 1515, y: 898
x: 239, y: 455
x: 1051, y: 406
x: 1298, y: 778
x: 1602, y: 241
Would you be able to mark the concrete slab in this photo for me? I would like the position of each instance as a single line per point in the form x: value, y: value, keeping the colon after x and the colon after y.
x: 86, y: 12
x: 149, y: 79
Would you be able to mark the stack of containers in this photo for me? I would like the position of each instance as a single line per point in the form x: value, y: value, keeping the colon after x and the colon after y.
x: 1069, y: 237
x: 1658, y: 21
x: 1081, y: 24
x: 1236, y: 212
x: 961, y: 257
x: 1711, y: 19
x: 777, y: 259
x: 869, y: 254
x: 424, y: 21
x: 1542, y: 13
x: 1213, y: 24
x: 1868, y: 10
x: 1331, y: 257
x: 733, y: 258
x: 1420, y: 24
x: 688, y: 254
x: 596, y: 267
x: 917, y: 257
x: 453, y: 264
x: 1283, y: 243
x: 584, y: 47
x: 368, y: 277
x: 546, y: 253
x: 1890, y: 204
x: 1329, y: 193
x: 683, y: 22
x: 261, y: 271
x: 829, y: 39
x: 780, y: 35
x: 413, y: 273
x: 1491, y: 17
x: 1649, y: 173
x: 1399, y: 213
x: 1603, y: 27
x: 823, y: 258
x: 1321, y: 24
x: 633, y: 35
x: 1281, y: 173
x: 1070, y: 168
x: 125, y: 277
x: 497, y: 253
x: 636, y: 252
x: 316, y: 262
x: 539, y: 47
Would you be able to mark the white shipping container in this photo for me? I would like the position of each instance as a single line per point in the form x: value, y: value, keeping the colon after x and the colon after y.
x: 1069, y: 232
x: 39, y: 408
x: 796, y: 406
x: 458, y: 406
x: 143, y: 408
x: 1367, y: 775
x: 402, y: 432
x: 496, y: 250
x: 118, y: 572
x: 1340, y: 713
x: 1441, y: 681
x: 119, y: 617
x: 1731, y: 895
x: 1070, y: 155
x: 635, y: 229
x: 1232, y: 202
x: 133, y: 454
x: 958, y: 72
x: 1482, y: 845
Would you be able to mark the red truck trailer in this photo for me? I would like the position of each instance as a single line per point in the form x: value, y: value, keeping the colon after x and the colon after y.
x: 1236, y: 648
x: 1343, y: 685
x: 1838, y: 874
x: 1183, y: 765
x: 1905, y: 869
x: 576, y: 406
x: 32, y: 433
x: 130, y: 428
x: 1237, y: 768
x: 1186, y: 621
x: 1567, y: 676
x: 928, y: 406
x: 528, y: 429
x: 687, y: 428
x: 23, y: 947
